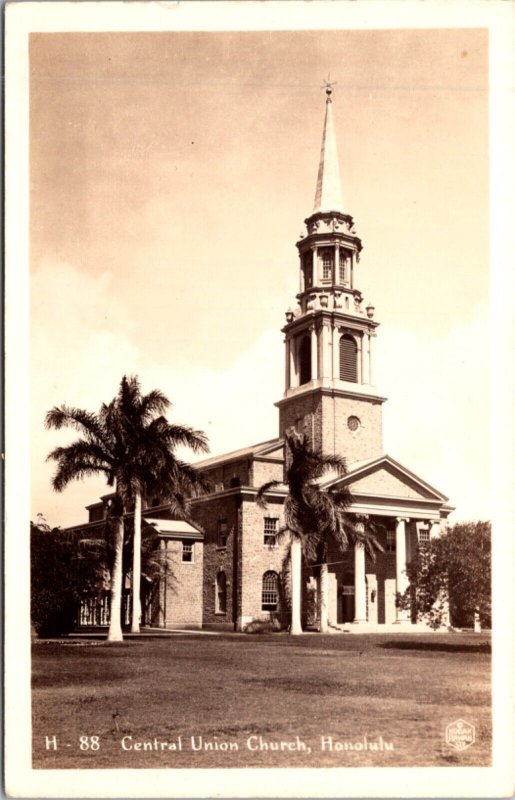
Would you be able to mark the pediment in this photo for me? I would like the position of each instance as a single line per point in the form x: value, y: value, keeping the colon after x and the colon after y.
x: 276, y: 451
x: 384, y: 477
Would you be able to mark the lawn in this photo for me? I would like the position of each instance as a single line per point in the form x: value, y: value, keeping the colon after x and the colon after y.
x: 194, y: 700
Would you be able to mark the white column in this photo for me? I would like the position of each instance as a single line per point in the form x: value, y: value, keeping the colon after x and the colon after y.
x: 294, y: 380
x: 336, y: 272
x: 315, y: 265
x: 336, y: 354
x: 365, y: 361
x: 434, y: 528
x: 314, y: 353
x: 401, y: 578
x: 287, y: 364
x: 322, y: 359
x: 370, y: 378
x: 360, y: 586
x: 359, y: 360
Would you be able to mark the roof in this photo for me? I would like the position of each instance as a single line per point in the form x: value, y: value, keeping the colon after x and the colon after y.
x: 328, y: 195
x: 174, y: 528
x: 261, y: 449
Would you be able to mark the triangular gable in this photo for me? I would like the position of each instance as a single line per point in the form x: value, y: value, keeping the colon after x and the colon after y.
x: 275, y: 451
x: 384, y: 477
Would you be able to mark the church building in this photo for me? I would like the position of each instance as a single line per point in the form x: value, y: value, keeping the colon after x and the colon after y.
x: 232, y: 572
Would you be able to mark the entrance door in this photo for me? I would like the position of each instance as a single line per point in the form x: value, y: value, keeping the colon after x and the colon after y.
x: 347, y: 603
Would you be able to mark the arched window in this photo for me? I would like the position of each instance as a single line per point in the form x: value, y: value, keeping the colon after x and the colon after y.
x: 327, y: 264
x: 270, y: 592
x: 221, y: 594
x: 348, y: 359
x: 305, y: 360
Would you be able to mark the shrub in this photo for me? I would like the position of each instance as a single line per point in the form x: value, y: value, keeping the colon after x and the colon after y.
x: 60, y: 572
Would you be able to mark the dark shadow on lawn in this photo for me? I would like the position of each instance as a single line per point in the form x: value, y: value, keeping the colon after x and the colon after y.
x: 447, y: 647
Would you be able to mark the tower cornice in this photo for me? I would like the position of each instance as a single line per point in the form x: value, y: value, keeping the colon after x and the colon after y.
x: 342, y: 322
x: 368, y: 394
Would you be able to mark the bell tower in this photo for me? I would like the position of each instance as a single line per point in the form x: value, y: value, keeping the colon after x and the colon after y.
x: 329, y: 338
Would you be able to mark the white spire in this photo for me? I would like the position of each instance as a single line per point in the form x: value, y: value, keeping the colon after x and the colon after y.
x: 328, y: 196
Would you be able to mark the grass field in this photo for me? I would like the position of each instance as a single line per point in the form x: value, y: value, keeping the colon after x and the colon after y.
x: 337, y: 700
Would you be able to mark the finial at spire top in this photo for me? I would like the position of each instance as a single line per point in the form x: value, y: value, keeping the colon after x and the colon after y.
x: 328, y: 85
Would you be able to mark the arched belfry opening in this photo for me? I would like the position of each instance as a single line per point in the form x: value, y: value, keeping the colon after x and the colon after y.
x: 305, y: 360
x: 348, y: 358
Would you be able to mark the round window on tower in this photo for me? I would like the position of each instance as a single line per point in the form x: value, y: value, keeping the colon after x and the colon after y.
x: 354, y: 424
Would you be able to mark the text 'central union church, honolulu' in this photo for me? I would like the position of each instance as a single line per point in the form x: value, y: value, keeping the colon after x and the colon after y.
x: 230, y: 570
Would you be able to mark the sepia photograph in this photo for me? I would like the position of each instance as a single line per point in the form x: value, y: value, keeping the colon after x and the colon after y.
x: 253, y: 354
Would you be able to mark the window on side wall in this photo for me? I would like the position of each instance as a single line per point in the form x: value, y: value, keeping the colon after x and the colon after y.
x: 423, y: 537
x: 270, y: 531
x: 222, y: 534
x: 270, y: 591
x: 187, y: 552
x: 221, y: 594
x: 390, y: 541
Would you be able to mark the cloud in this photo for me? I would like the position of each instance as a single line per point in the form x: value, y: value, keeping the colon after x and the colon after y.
x: 80, y: 348
x: 436, y: 420
x: 82, y: 345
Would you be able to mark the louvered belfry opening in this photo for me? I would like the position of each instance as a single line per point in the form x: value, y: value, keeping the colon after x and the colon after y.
x: 305, y: 360
x: 348, y: 359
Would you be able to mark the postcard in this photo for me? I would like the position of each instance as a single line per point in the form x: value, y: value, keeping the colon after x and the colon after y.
x: 258, y: 384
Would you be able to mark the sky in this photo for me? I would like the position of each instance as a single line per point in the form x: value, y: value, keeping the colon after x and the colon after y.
x: 170, y: 175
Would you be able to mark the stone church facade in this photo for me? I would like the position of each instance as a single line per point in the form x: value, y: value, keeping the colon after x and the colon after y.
x: 232, y: 570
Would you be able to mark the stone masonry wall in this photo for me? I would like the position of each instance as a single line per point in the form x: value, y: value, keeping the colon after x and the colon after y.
x: 263, y: 471
x: 220, y: 477
x: 181, y: 590
x: 303, y: 407
x: 324, y: 421
x: 366, y: 442
x: 208, y: 513
x: 256, y: 558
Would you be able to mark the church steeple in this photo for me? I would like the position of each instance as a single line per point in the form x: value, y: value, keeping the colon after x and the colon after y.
x: 328, y: 195
x: 329, y: 390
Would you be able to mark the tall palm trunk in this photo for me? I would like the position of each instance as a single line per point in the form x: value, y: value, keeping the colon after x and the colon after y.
x: 296, y: 579
x: 324, y: 591
x: 136, y: 566
x: 115, y: 623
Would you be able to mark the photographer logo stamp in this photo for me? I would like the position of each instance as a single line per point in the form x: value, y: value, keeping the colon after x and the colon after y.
x: 460, y: 734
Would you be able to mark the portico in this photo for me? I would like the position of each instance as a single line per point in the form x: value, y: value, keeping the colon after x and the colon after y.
x: 404, y: 512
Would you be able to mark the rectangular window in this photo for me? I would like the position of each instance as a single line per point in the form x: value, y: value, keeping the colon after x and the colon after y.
x: 187, y: 552
x: 390, y: 541
x: 223, y: 533
x: 342, y: 266
x: 327, y: 259
x: 270, y: 531
x: 423, y: 536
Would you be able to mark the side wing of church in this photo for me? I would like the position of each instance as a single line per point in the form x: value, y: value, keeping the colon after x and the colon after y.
x: 233, y: 570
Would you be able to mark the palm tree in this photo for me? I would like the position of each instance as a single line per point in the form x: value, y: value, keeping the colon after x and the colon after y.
x: 315, y: 517
x: 151, y: 464
x: 310, y: 514
x: 97, y: 452
x: 133, y: 448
